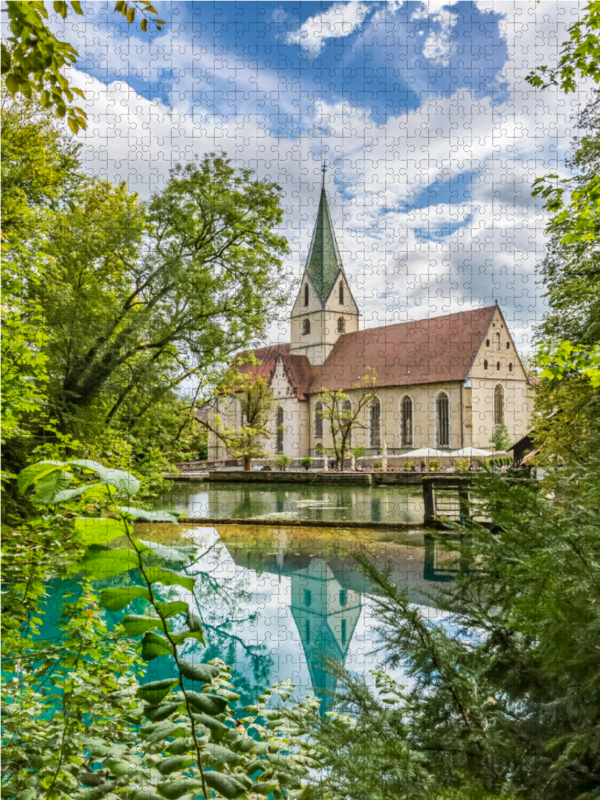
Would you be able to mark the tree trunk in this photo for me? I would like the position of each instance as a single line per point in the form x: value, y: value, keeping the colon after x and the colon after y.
x: 247, y: 461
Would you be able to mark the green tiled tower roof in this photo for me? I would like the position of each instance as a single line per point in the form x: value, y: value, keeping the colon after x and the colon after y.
x: 324, y: 262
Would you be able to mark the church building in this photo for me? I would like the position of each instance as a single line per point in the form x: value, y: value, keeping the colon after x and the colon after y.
x: 443, y: 382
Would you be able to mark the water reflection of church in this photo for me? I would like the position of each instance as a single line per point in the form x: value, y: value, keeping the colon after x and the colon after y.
x: 326, y: 614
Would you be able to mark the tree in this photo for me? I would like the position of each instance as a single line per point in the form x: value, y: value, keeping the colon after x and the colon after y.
x: 500, y: 440
x: 33, y: 59
x: 501, y: 700
x: 345, y: 415
x: 256, y: 402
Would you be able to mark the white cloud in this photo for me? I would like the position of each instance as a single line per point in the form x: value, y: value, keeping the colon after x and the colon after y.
x: 340, y: 20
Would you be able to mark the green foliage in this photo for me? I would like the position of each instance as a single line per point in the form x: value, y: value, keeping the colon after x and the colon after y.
x: 434, y: 465
x: 358, y: 452
x: 281, y: 462
x: 33, y: 59
x: 345, y: 415
x: 377, y: 465
x: 256, y: 405
x: 500, y: 440
x: 580, y: 55
x: 409, y: 464
x: 502, y: 698
x: 461, y: 465
x: 98, y: 732
x: 306, y: 462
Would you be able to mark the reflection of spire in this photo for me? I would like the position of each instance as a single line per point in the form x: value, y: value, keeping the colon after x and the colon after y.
x: 326, y: 614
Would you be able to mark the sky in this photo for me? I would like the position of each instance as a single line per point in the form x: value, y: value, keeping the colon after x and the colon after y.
x: 431, y: 136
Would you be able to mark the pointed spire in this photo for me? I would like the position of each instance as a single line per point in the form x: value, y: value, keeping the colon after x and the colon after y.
x: 324, y: 262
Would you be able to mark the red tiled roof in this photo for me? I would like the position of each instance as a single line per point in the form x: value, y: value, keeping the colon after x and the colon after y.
x: 432, y: 350
x: 297, y: 367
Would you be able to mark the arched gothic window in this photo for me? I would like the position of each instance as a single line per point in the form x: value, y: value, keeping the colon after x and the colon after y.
x: 306, y: 326
x: 318, y: 420
x: 497, y: 366
x: 346, y: 407
x: 508, y: 345
x: 498, y: 343
x: 341, y: 326
x: 443, y: 420
x: 375, y: 423
x: 319, y: 449
x: 406, y: 422
x: 280, y: 430
x: 341, y: 293
x: 485, y: 365
x: 498, y: 405
x: 306, y: 294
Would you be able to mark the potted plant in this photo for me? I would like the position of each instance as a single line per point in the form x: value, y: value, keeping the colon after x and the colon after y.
x: 377, y: 465
x: 306, y: 463
x: 434, y: 465
x: 409, y: 465
x: 282, y: 462
x: 461, y: 466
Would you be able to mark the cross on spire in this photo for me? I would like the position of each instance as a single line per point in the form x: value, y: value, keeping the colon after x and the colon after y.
x: 324, y: 170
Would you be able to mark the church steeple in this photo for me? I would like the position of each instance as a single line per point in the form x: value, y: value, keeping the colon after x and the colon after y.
x: 324, y: 262
x: 324, y: 308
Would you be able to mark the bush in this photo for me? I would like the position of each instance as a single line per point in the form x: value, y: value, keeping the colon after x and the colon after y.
x: 434, y: 465
x: 281, y: 462
x: 461, y: 465
x: 306, y: 463
x: 358, y: 452
x: 409, y: 464
x: 377, y: 465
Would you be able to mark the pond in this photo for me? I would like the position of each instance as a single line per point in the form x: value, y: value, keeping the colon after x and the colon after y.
x: 276, y: 600
x: 300, y: 501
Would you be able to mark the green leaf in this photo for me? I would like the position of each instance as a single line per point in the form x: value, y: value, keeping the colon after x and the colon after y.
x: 226, y: 785
x: 48, y: 486
x: 221, y: 755
x: 114, y: 599
x: 145, y: 794
x: 168, y: 730
x: 181, y: 746
x: 119, y: 767
x: 121, y: 480
x: 160, y: 551
x: 77, y: 7
x: 99, y: 531
x: 203, y: 673
x: 150, y: 516
x: 175, y: 764
x: 171, y: 609
x: 154, y: 646
x: 211, y: 704
x: 160, y: 712
x: 136, y: 625
x: 174, y: 789
x: 105, y: 562
x: 34, y: 472
x: 69, y: 494
x: 170, y: 578
x: 180, y: 637
x: 156, y: 691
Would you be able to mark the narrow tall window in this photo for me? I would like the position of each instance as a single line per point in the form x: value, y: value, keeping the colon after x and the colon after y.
x: 344, y: 631
x: 443, y: 420
x: 497, y: 366
x: 485, y: 365
x: 280, y: 430
x: 508, y: 345
x: 307, y: 631
x: 343, y: 597
x: 341, y: 293
x: 341, y: 326
x: 305, y: 326
x: 510, y: 367
x: 406, y: 422
x: 498, y: 343
x: 487, y: 342
x: 498, y: 405
x: 306, y: 294
x: 375, y: 423
x: 346, y: 408
x: 319, y: 421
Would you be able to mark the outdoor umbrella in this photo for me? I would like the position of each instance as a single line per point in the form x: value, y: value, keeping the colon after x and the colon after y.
x: 427, y: 452
x: 470, y: 452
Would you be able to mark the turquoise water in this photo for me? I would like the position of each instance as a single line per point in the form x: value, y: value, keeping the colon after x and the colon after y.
x: 275, y: 601
x: 285, y: 501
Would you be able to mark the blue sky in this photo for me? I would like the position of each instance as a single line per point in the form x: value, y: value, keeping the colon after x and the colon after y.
x: 421, y: 111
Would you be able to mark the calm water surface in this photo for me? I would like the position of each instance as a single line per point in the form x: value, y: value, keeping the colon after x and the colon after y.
x: 275, y: 599
x: 285, y: 501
